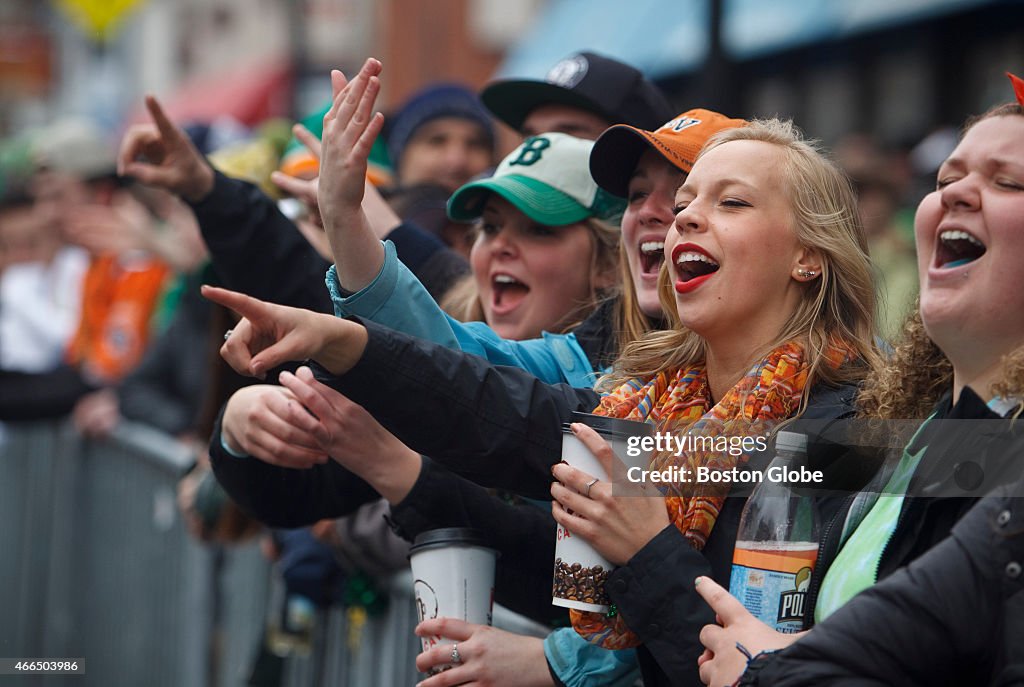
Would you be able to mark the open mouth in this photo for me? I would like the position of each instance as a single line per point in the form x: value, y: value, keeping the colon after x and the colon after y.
x: 957, y: 248
x: 691, y: 265
x: 652, y: 255
x: 507, y: 292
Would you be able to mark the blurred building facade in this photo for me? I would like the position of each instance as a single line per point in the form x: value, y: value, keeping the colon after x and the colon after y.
x: 54, y: 62
x: 893, y: 68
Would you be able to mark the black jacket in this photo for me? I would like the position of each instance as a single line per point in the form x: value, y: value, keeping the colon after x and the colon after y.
x: 497, y: 426
x: 954, y: 616
x: 502, y: 427
x: 945, y: 619
x: 654, y: 591
x: 257, y: 250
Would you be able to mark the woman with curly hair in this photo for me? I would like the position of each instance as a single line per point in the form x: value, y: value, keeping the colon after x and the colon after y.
x: 948, y: 618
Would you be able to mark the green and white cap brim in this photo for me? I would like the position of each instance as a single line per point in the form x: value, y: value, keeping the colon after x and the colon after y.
x: 533, y: 198
x: 547, y: 178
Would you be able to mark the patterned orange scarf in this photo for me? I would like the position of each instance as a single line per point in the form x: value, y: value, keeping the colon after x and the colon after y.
x: 769, y: 393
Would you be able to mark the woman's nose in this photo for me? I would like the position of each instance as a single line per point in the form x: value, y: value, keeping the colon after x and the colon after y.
x: 656, y: 211
x: 502, y: 242
x: 689, y: 219
x: 962, y: 193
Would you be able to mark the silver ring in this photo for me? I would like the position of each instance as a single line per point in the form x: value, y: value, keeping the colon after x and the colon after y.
x: 590, y: 484
x: 456, y: 658
x: 227, y: 334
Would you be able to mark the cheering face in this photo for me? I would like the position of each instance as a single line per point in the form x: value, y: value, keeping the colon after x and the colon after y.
x: 530, y: 277
x: 733, y: 252
x: 970, y: 243
x: 645, y: 225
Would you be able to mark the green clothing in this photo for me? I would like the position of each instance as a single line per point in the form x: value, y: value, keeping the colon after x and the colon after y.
x: 856, y: 567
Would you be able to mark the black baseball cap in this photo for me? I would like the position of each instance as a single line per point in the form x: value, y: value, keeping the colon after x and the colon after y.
x: 591, y: 82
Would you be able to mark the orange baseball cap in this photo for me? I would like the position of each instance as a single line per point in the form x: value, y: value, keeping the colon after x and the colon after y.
x: 617, y: 151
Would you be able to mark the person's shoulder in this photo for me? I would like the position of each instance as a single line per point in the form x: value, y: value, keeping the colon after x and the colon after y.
x: 831, y: 401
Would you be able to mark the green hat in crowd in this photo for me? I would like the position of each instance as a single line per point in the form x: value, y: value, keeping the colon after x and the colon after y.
x: 547, y: 178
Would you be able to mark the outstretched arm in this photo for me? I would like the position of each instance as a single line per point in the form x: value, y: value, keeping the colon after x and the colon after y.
x: 498, y: 426
x: 286, y: 496
x: 350, y: 128
x: 353, y: 213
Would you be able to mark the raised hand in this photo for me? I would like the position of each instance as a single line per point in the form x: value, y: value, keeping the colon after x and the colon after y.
x: 161, y: 155
x: 616, y: 525
x: 269, y: 335
x: 381, y: 218
x: 353, y: 227
x: 722, y: 662
x: 350, y: 128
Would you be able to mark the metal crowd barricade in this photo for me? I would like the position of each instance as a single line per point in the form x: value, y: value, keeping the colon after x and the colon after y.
x: 96, y: 563
x: 383, y: 651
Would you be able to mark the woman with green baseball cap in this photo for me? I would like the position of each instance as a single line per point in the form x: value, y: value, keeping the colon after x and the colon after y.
x: 543, y: 255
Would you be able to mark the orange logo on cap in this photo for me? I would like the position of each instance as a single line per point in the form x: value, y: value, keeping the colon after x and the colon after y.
x: 682, y: 123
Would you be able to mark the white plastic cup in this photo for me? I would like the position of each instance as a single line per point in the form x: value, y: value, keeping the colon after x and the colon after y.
x: 453, y: 577
x: 580, y: 572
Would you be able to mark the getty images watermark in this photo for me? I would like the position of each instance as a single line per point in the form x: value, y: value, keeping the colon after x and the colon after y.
x: 965, y: 459
x: 668, y: 443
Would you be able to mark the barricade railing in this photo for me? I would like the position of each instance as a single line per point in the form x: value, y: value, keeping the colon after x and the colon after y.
x: 95, y: 563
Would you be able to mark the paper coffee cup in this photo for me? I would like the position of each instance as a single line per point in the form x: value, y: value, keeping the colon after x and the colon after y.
x: 453, y: 577
x: 580, y: 572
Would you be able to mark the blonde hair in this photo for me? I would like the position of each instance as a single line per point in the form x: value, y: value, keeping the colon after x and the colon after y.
x: 462, y: 300
x: 839, y: 304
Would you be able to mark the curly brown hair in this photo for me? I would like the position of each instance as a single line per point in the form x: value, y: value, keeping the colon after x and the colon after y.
x: 917, y: 374
x: 911, y: 380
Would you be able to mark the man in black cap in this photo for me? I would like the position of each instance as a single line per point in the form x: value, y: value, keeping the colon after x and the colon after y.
x: 582, y: 96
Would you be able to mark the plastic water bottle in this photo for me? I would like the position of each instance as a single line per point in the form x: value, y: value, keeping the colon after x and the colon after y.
x: 777, y: 543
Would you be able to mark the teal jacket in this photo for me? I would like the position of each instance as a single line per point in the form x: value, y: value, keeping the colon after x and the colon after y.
x: 396, y: 299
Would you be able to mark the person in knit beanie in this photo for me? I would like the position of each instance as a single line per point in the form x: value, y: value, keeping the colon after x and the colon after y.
x: 442, y: 135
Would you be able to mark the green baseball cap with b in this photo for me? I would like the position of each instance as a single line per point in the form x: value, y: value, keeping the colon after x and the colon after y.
x: 547, y: 178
